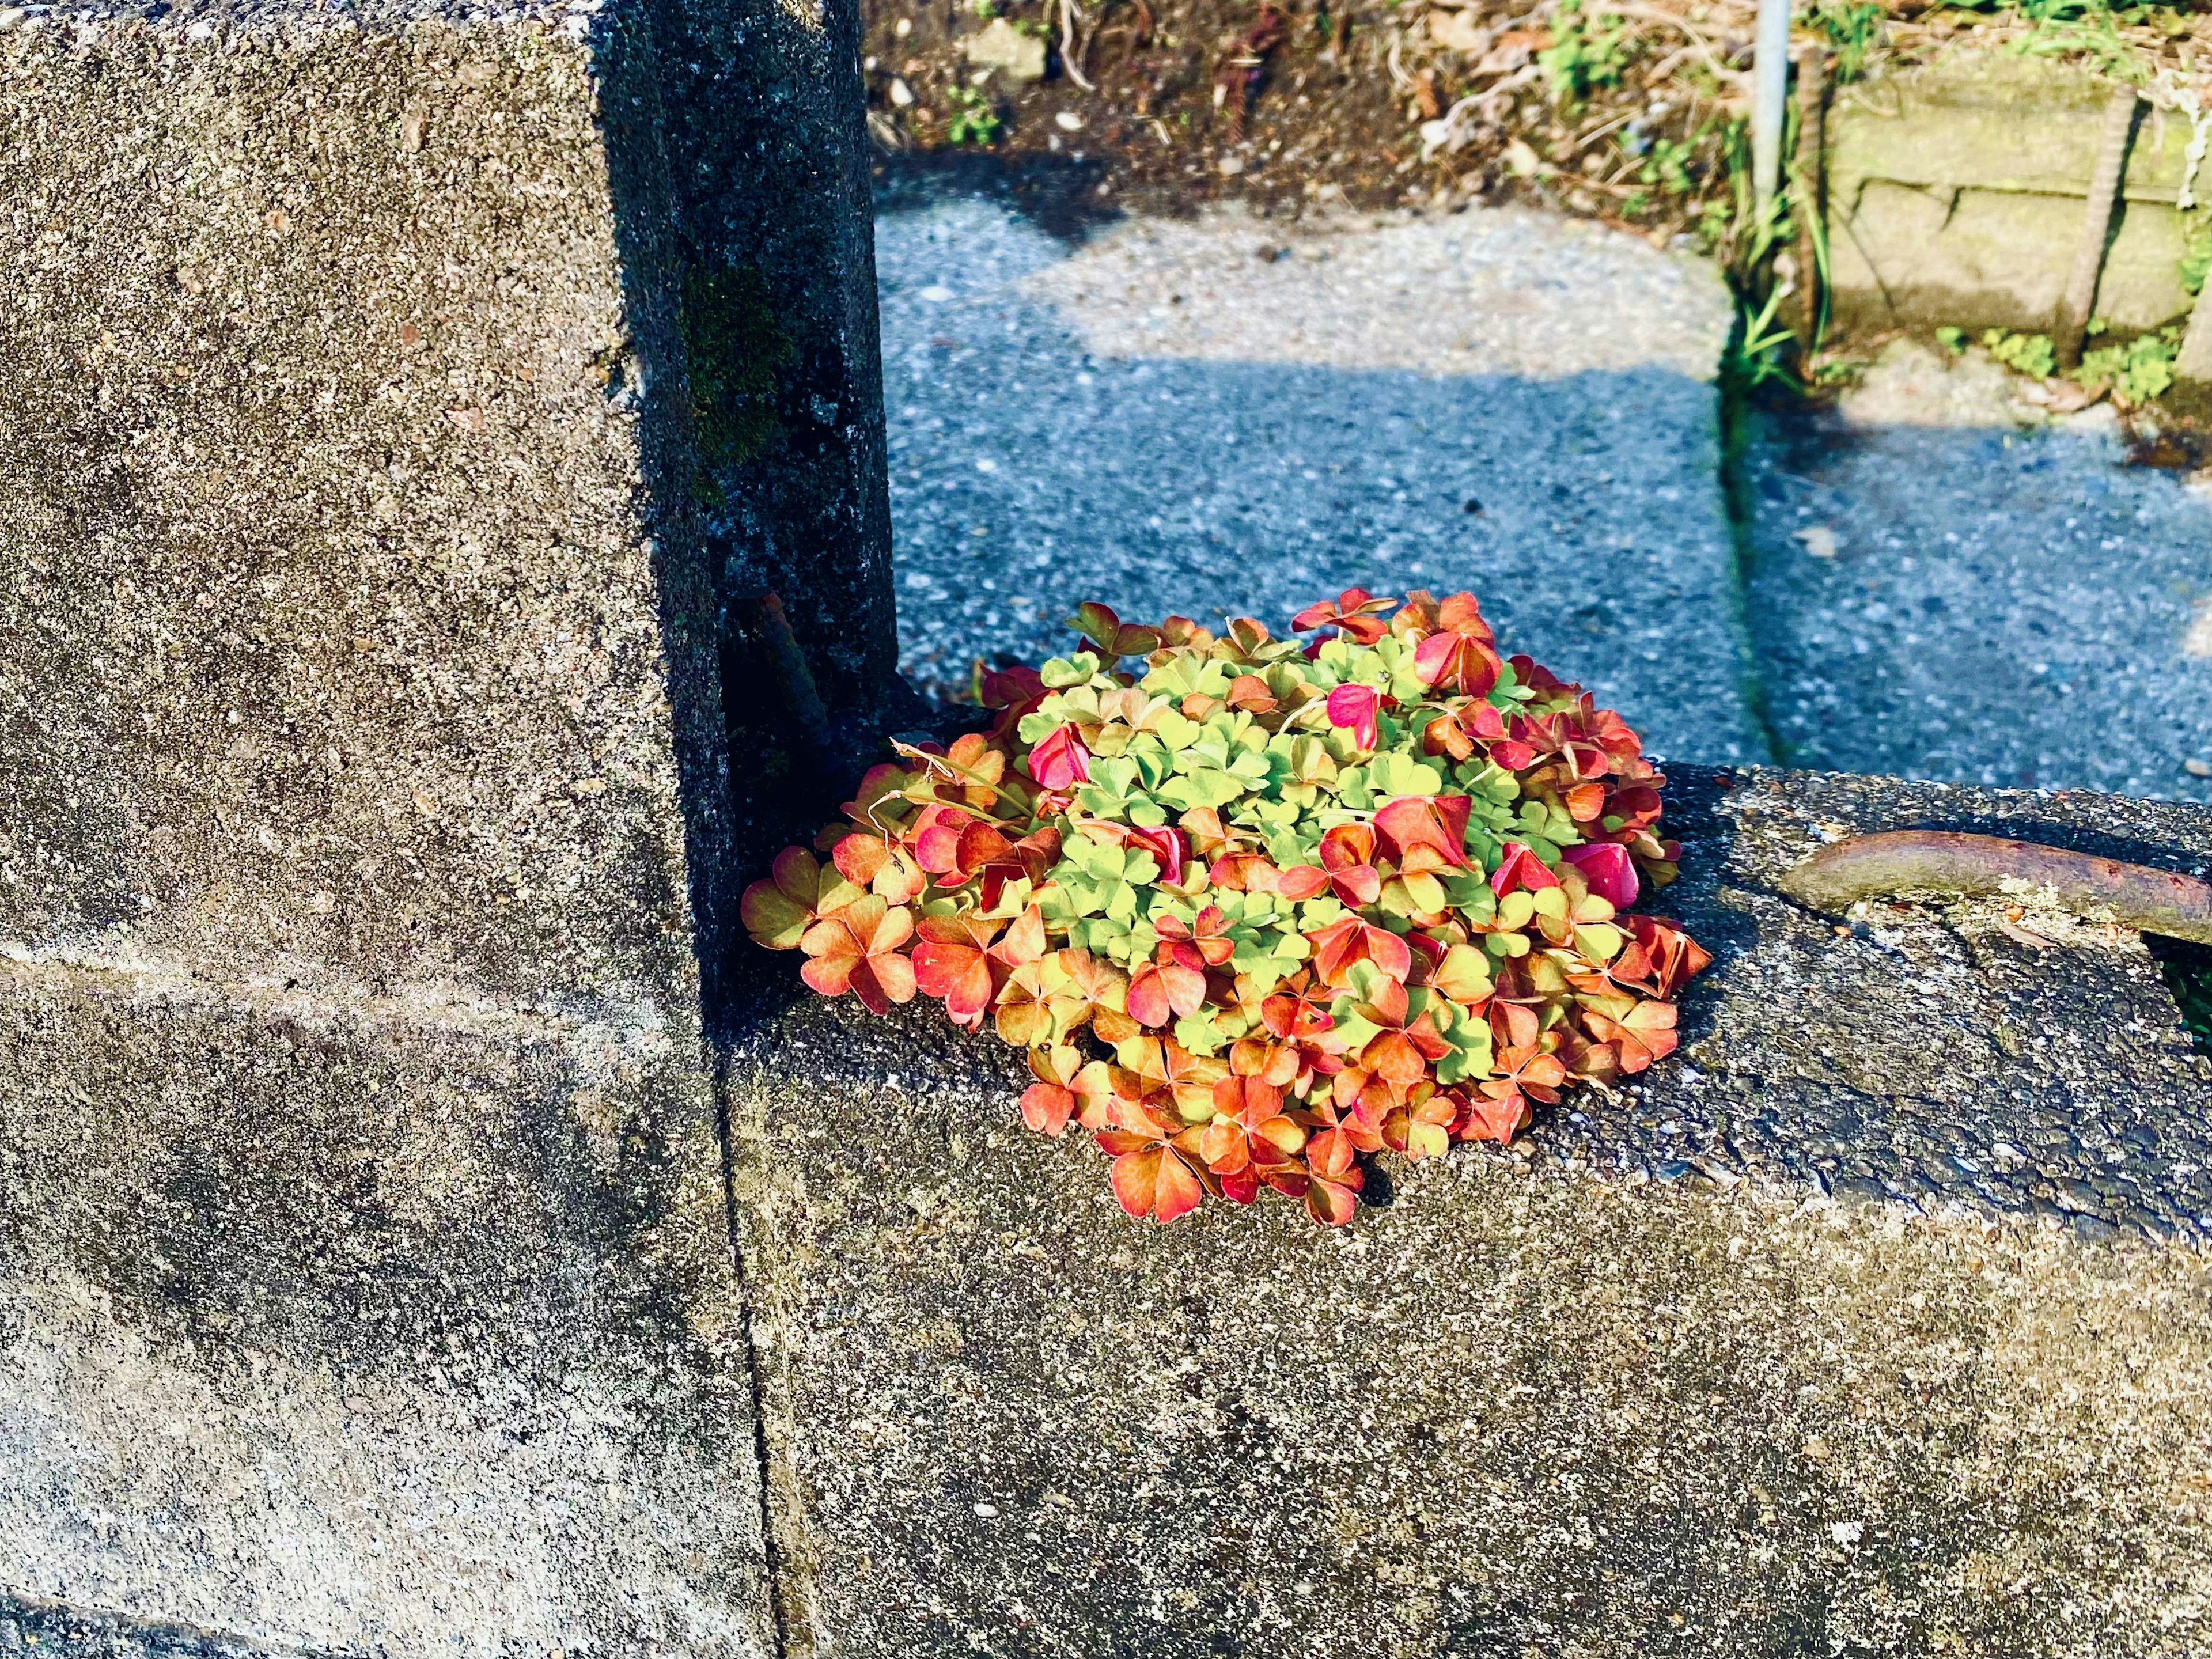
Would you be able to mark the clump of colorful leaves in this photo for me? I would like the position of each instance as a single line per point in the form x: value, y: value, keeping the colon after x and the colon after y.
x: 1256, y: 908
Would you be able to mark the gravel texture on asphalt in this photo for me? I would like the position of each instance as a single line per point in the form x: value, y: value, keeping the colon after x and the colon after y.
x: 1945, y: 586
x: 1225, y: 415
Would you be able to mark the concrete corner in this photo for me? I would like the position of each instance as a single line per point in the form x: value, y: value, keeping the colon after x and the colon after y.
x: 400, y: 404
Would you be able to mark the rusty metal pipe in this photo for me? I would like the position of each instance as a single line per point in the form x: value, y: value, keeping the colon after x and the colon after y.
x: 1988, y: 866
x: 2105, y: 185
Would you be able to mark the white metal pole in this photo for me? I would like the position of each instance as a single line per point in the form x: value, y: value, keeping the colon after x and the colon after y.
x: 1769, y: 97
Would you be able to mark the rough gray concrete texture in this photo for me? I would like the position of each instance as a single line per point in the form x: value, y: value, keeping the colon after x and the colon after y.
x: 1937, y: 1055
x: 1945, y: 583
x: 335, y: 612
x: 384, y: 431
x: 358, y: 1322
x: 1230, y: 415
x: 1642, y: 1387
x: 1956, y: 192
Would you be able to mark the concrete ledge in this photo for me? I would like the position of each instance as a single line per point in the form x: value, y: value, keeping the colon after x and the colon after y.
x: 1642, y: 1388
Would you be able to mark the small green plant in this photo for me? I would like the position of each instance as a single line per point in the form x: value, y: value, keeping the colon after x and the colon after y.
x: 2024, y: 354
x: 1954, y: 340
x: 1853, y: 28
x: 1754, y: 355
x: 1714, y: 217
x: 1749, y: 236
x: 974, y: 121
x: 1668, y: 165
x: 2135, y: 373
x: 1584, y: 56
x: 2079, y: 28
x: 2196, y: 250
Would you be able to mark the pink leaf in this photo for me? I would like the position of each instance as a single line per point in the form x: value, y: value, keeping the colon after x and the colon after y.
x: 1061, y: 762
x: 1609, y: 871
x: 1522, y: 868
x: 1354, y: 706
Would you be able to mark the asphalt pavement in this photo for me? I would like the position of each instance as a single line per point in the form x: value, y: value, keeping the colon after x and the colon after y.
x: 1228, y: 416
x: 1222, y: 416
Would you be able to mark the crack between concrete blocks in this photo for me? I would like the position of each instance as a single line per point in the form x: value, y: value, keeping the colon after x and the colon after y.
x: 603, y: 1029
x: 773, y: 1566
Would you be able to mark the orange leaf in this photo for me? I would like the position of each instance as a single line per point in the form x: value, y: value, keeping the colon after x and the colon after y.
x: 1046, y: 1108
x: 1332, y: 1203
x: 1024, y: 941
x: 1155, y: 1183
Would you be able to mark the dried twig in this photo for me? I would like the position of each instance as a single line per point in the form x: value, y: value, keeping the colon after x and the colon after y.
x: 1070, y: 58
x: 1698, y: 43
x: 1237, y: 78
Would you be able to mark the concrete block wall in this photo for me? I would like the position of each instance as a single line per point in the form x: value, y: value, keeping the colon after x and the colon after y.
x: 396, y: 402
x: 1875, y: 1322
x: 427, y: 1229
x: 1955, y: 196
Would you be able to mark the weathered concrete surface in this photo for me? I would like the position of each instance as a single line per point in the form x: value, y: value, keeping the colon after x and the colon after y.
x: 367, y: 1320
x: 1642, y: 1388
x: 402, y: 409
x: 1956, y: 191
x: 348, y: 577
x: 1926, y: 1054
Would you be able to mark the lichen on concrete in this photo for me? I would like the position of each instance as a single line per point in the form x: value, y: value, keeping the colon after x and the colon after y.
x: 733, y: 350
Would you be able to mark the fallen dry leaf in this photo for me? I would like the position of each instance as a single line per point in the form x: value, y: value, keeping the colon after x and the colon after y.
x: 1514, y: 50
x: 1459, y: 31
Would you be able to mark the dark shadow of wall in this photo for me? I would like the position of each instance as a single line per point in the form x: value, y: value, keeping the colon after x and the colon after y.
x: 736, y: 134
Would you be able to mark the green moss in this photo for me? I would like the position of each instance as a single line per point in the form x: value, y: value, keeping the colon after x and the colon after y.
x: 735, y: 351
x: 2187, y: 971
